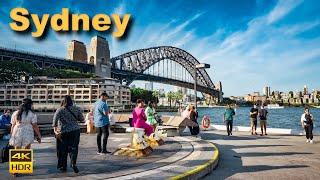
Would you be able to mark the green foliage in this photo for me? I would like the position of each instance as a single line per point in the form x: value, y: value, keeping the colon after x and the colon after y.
x: 175, y: 97
x: 139, y: 93
x: 170, y: 97
x: 227, y: 101
x: 13, y: 71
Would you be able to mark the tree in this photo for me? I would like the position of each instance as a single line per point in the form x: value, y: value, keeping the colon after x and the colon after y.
x: 170, y: 96
x: 12, y: 71
x: 156, y: 94
x: 178, y: 97
x: 139, y: 93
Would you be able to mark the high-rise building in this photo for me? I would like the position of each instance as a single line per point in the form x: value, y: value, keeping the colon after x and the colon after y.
x: 305, y: 90
x: 77, y: 51
x: 266, y: 91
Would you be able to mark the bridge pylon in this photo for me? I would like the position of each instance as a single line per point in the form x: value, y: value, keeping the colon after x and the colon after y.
x: 99, y: 56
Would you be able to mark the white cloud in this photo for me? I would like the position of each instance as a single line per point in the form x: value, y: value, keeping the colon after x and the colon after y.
x: 282, y: 8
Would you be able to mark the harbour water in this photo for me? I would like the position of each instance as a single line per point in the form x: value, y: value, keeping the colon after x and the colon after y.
x: 287, y: 118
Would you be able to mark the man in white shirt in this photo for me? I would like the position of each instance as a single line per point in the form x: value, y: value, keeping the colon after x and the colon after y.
x: 307, y: 124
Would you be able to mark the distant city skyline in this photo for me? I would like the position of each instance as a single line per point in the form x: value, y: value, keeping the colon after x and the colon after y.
x: 248, y: 43
x: 304, y: 89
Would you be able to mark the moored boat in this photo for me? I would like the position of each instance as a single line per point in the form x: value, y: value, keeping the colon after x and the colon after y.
x: 274, y: 106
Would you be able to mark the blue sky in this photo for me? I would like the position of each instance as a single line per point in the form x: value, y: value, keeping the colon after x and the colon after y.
x: 249, y: 43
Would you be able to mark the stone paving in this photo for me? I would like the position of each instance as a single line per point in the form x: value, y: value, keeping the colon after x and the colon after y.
x: 183, y: 156
x: 88, y: 161
x: 243, y: 156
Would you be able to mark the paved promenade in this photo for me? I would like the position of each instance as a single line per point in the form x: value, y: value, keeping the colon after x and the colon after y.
x: 243, y: 156
x: 176, y: 157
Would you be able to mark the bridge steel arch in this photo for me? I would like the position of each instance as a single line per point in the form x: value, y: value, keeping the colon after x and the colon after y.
x: 138, y: 61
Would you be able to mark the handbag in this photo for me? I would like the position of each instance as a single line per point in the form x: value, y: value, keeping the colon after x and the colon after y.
x: 72, y: 114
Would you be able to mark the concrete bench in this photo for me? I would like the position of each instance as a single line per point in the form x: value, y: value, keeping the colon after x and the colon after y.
x: 165, y: 118
x: 176, y: 125
x: 47, y: 129
x: 121, y: 118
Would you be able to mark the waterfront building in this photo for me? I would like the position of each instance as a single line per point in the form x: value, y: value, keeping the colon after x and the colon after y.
x: 293, y: 98
x: 255, y: 97
x: 48, y: 93
x: 256, y: 94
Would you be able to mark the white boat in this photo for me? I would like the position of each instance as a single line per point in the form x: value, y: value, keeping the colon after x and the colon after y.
x: 274, y: 106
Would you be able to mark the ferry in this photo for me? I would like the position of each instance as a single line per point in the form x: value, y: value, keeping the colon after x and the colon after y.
x: 274, y: 106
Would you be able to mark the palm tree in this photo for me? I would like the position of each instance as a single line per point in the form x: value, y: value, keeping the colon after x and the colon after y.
x: 178, y: 96
x: 155, y: 94
x: 170, y: 96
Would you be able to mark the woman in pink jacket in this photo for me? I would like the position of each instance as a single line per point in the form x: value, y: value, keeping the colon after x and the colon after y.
x: 139, y: 118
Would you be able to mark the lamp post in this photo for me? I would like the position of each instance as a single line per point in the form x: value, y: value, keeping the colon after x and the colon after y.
x: 196, y: 67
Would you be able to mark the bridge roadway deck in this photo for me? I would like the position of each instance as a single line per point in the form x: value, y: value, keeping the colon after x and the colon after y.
x: 243, y: 156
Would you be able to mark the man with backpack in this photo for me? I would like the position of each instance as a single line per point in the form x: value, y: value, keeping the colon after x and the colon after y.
x: 263, y: 119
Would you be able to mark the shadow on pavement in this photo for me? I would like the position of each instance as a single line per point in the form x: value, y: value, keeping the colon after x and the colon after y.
x: 212, y: 136
x: 230, y: 162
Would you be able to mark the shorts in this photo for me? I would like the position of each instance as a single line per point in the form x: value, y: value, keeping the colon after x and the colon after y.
x: 263, y: 122
x: 253, y: 122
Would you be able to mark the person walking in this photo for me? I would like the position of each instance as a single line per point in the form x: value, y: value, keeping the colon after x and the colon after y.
x: 150, y: 113
x: 194, y: 117
x: 24, y: 124
x: 263, y: 119
x: 307, y: 124
x: 101, y: 122
x: 228, y: 118
x: 253, y: 119
x: 139, y: 118
x: 67, y: 133
x: 90, y: 122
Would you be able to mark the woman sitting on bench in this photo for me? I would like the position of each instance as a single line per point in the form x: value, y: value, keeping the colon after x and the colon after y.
x: 139, y: 118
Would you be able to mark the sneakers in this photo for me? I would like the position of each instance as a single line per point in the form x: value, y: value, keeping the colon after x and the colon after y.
x: 75, y: 168
x: 311, y: 141
x: 104, y: 153
x: 307, y: 141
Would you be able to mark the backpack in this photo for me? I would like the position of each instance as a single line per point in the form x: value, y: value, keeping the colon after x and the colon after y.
x: 263, y: 114
x: 308, y: 119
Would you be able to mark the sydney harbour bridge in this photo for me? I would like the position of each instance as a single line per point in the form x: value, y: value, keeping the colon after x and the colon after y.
x: 163, y: 64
